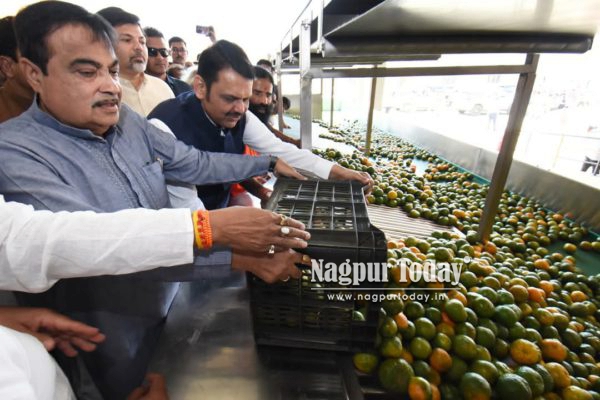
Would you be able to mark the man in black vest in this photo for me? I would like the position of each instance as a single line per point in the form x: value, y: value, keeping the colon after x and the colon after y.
x: 214, y: 117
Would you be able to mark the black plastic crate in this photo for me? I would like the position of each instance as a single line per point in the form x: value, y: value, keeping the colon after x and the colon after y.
x: 300, y: 313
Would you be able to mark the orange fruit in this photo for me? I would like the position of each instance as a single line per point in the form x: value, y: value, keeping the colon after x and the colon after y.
x: 447, y: 320
x: 401, y: 320
x: 459, y: 213
x: 570, y: 248
x: 395, y: 274
x: 578, y: 296
x: 547, y: 287
x: 447, y: 328
x: 435, y: 393
x: 407, y: 356
x: 474, y: 387
x: 419, y: 389
x: 576, y: 393
x: 454, y: 294
x: 525, y: 352
x: 537, y: 295
x: 557, y: 217
x: 440, y: 360
x: 520, y: 293
x: 544, y: 316
x: 541, y: 263
x: 560, y: 375
x: 490, y: 247
x: 395, y: 374
x: 414, y: 249
x: 553, y: 350
x: 365, y: 362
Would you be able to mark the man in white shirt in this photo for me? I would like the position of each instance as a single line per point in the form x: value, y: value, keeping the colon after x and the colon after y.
x: 39, y: 247
x: 140, y: 91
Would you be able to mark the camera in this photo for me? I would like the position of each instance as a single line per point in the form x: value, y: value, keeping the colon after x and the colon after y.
x: 202, y: 30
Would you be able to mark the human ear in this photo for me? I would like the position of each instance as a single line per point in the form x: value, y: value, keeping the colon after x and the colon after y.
x: 199, y: 87
x: 33, y: 74
x: 6, y: 67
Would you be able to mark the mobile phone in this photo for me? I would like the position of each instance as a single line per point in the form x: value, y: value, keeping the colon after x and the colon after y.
x: 202, y: 30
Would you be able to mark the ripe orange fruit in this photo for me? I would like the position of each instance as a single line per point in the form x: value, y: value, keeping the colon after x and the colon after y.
x: 553, y: 350
x: 419, y: 389
x: 435, y: 393
x: 578, y: 296
x: 454, y: 294
x: 440, y: 360
x: 490, y: 247
x: 407, y: 356
x: 560, y: 375
x: 401, y: 320
x: 525, y: 352
x: 537, y: 295
x: 547, y: 287
x: 541, y: 263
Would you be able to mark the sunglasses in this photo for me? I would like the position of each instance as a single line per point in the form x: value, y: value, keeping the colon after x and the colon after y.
x: 153, y: 52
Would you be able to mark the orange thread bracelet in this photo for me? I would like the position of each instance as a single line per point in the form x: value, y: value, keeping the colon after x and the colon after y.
x: 202, y: 229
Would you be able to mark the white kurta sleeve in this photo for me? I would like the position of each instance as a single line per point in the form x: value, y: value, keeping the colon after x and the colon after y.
x: 261, y: 139
x: 37, y: 248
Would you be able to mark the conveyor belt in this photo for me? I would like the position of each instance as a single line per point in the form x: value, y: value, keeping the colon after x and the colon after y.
x: 396, y: 224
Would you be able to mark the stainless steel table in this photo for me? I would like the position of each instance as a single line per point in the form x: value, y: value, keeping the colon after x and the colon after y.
x: 207, y: 350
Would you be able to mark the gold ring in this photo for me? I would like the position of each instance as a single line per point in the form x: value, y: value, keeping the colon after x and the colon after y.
x: 306, y: 259
x: 272, y: 249
x: 283, y: 220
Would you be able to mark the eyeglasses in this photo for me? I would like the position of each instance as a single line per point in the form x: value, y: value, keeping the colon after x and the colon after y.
x: 153, y: 52
x: 178, y: 50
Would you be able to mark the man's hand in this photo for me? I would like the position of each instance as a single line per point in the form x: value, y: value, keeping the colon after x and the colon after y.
x: 211, y: 34
x: 271, y: 267
x: 262, y: 179
x: 344, y: 174
x: 52, y: 329
x: 264, y: 197
x: 284, y: 169
x: 154, y: 388
x: 248, y: 229
x: 254, y: 187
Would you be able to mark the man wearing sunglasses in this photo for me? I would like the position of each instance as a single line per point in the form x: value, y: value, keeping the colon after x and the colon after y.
x: 158, y: 60
x: 141, y: 91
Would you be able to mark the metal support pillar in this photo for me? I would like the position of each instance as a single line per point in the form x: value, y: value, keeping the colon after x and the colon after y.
x: 509, y: 142
x: 281, y: 122
x: 305, y: 87
x: 331, y: 104
x: 370, y: 117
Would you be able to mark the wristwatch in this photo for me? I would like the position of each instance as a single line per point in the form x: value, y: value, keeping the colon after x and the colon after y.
x: 272, y: 162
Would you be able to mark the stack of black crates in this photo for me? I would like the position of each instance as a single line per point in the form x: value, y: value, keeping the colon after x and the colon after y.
x: 302, y: 313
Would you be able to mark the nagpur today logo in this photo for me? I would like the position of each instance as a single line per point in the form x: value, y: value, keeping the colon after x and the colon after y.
x: 354, y: 274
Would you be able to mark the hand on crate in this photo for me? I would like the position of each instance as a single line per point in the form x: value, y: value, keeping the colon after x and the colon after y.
x: 54, y: 330
x: 340, y: 173
x: 284, y: 169
x: 271, y: 268
x: 249, y: 229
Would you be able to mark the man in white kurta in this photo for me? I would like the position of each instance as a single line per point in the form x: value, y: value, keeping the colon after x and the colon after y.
x: 140, y: 91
